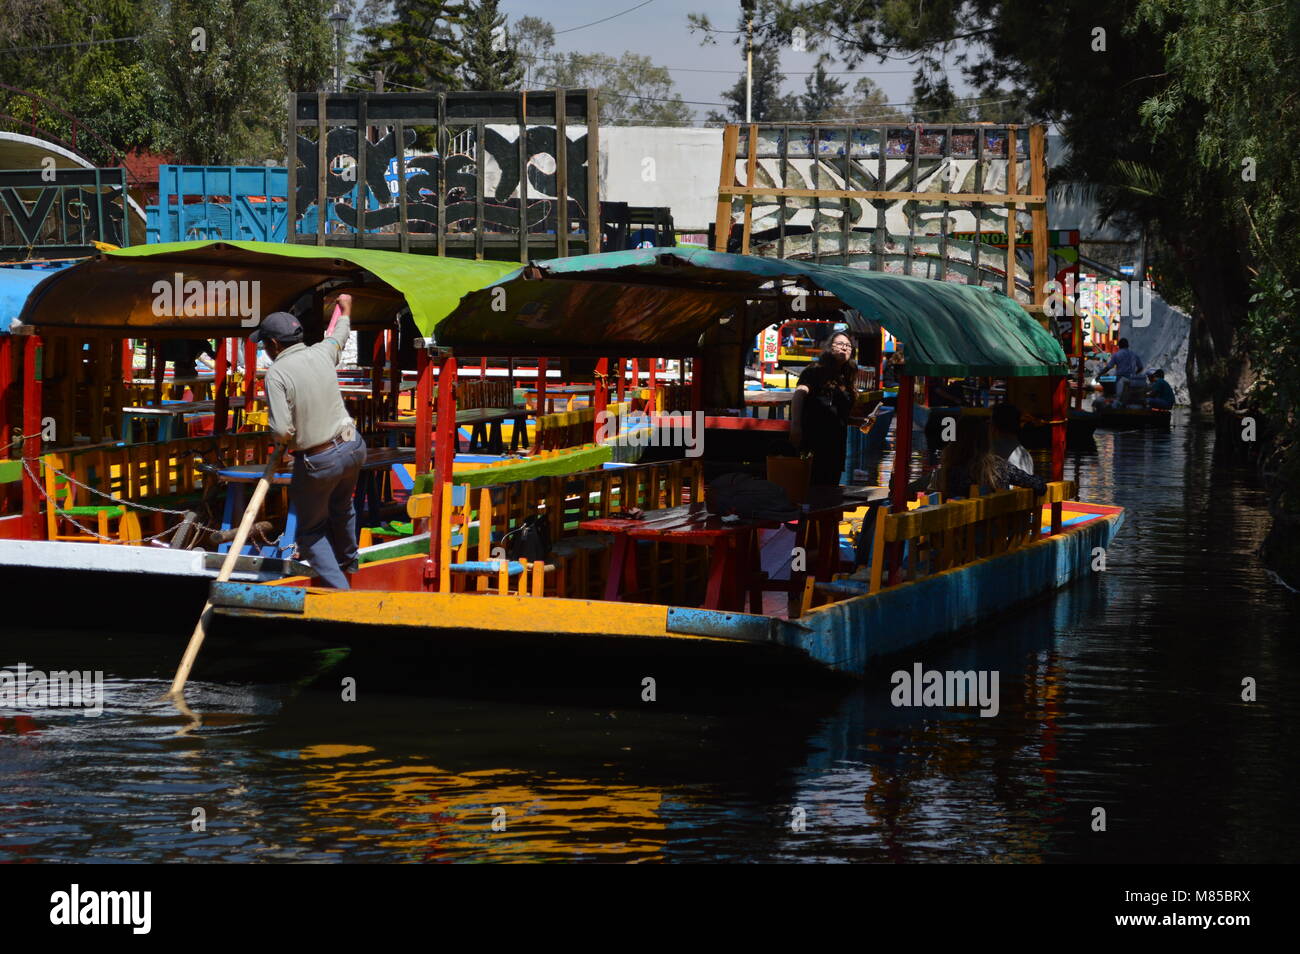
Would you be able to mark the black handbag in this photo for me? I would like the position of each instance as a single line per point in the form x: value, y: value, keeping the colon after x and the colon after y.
x: 531, y: 540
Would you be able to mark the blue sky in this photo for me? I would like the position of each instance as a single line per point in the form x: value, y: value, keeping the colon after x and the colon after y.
x: 659, y: 30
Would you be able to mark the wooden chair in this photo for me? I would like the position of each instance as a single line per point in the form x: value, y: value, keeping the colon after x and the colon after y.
x: 466, y: 529
x: 61, y: 507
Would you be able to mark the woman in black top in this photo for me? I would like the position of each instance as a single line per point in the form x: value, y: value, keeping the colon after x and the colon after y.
x: 970, y: 460
x: 819, y: 412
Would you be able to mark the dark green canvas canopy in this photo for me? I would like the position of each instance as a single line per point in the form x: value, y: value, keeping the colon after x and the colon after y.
x: 663, y: 300
x: 114, y: 293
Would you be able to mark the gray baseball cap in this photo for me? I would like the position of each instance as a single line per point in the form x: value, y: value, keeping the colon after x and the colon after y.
x: 278, y: 326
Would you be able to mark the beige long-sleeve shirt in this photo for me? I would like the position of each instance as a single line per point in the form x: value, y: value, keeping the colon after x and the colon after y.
x: 305, y: 406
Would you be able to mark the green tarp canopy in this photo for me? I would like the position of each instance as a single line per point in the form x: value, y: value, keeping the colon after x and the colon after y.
x: 114, y: 293
x: 663, y: 300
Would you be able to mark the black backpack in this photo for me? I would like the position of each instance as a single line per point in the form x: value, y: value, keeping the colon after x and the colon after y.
x: 746, y: 496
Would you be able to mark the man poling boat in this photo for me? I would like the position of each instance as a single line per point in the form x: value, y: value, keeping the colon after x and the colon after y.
x: 307, y: 415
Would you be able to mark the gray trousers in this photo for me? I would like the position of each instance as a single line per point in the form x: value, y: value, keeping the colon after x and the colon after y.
x: 321, y: 494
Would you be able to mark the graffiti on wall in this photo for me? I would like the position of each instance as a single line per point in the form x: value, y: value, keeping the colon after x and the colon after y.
x: 917, y: 236
x: 77, y: 209
x: 459, y: 199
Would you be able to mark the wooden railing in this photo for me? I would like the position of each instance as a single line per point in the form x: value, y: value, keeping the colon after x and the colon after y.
x: 567, y: 500
x: 564, y: 429
x: 141, y: 471
x: 961, y: 531
x: 472, y: 393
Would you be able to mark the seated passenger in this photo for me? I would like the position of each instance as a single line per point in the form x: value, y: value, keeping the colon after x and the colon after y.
x: 1004, y: 437
x: 1162, y: 395
x: 969, y: 460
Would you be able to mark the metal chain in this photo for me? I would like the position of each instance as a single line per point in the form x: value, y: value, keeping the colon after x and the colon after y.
x: 86, y: 530
x: 36, y: 481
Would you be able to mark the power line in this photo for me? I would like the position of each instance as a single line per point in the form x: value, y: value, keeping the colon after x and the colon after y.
x: 62, y: 46
x: 564, y: 57
x: 606, y: 19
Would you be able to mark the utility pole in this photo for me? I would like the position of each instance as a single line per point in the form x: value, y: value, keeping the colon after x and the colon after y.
x: 337, y: 19
x: 749, y: 61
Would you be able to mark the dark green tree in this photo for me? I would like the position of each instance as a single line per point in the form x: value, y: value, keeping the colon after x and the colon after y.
x: 309, y: 44
x: 222, y: 66
x: 491, y: 59
x: 823, y: 96
x: 418, y: 48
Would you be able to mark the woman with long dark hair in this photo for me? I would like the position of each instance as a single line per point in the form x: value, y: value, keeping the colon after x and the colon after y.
x: 969, y: 460
x: 819, y: 411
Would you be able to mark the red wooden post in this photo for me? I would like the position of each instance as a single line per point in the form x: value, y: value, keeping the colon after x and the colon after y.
x: 423, y: 410
x: 1060, y: 422
x: 444, y: 454
x: 128, y: 361
x: 6, y: 382
x: 600, y: 400
x: 697, y: 383
x: 220, y: 416
x: 394, y: 372
x: 32, y: 356
x: 250, y: 373
x: 622, y: 383
x: 541, y: 388
x: 651, y: 385
x: 636, y: 377
x: 902, y: 461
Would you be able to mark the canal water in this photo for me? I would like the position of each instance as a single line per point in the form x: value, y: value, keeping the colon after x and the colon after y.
x: 1122, y: 694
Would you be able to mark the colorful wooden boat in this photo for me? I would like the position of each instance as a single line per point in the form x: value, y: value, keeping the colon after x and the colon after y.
x: 933, y: 568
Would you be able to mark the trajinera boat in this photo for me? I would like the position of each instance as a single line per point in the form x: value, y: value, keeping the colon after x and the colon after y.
x: 632, y: 556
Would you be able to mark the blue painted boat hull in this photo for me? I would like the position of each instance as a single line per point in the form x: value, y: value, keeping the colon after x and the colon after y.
x: 851, y: 635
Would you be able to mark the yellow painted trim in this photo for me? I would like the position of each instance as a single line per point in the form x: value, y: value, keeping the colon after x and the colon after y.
x: 517, y: 614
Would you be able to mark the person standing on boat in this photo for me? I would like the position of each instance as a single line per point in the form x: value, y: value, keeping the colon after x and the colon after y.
x: 1128, y: 368
x: 307, y: 415
x: 819, y: 410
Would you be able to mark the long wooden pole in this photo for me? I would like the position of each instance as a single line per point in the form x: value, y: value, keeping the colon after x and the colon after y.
x: 227, y: 567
